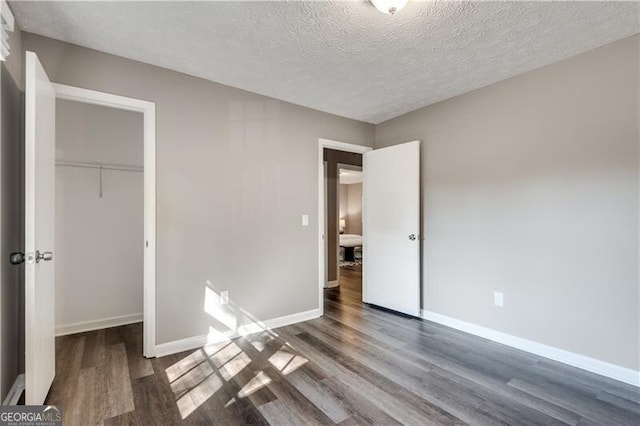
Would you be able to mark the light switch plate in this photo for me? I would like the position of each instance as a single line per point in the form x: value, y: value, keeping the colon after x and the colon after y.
x: 498, y: 298
x: 305, y: 220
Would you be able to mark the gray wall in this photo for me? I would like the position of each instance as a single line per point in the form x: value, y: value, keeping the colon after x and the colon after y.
x: 343, y: 204
x: 99, y: 250
x: 530, y: 187
x: 11, y: 237
x: 354, y: 208
x: 351, y: 207
x: 227, y: 210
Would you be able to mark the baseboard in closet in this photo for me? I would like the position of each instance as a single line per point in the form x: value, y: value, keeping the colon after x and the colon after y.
x: 80, y: 327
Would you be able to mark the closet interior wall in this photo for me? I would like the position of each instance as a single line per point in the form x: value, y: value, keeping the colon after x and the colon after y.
x: 99, y: 216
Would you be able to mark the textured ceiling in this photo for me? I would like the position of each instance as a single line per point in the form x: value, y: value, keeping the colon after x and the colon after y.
x: 341, y: 57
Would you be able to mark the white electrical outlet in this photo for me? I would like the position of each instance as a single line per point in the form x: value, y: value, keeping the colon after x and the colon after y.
x: 498, y: 298
x: 224, y: 297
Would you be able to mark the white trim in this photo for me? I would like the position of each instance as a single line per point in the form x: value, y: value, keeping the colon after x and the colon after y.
x: 344, y: 146
x: 638, y: 174
x: 94, y: 97
x: 177, y: 346
x: 14, y: 394
x: 593, y: 365
x: 194, y: 342
x: 148, y: 109
x: 332, y: 284
x: 340, y: 146
x: 81, y: 327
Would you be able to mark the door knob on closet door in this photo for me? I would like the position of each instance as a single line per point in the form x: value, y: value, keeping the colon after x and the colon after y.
x: 412, y: 237
x: 46, y: 256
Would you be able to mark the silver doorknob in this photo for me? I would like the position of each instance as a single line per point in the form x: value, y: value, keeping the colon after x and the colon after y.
x: 412, y: 237
x: 46, y: 256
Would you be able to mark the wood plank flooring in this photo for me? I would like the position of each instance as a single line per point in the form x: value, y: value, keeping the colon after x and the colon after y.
x: 355, y: 365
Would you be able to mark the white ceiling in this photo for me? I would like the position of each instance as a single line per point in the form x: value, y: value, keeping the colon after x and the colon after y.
x: 341, y: 57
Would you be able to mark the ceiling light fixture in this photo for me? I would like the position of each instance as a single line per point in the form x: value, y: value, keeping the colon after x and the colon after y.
x: 389, y: 6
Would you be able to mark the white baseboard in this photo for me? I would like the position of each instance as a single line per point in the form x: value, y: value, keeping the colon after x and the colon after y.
x: 593, y: 365
x: 80, y: 327
x: 194, y: 342
x: 177, y: 346
x: 13, y: 396
x: 332, y: 284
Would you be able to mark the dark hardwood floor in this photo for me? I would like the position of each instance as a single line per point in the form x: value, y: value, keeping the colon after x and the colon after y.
x: 355, y: 365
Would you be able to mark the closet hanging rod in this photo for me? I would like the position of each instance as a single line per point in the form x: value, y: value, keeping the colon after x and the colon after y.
x: 103, y: 166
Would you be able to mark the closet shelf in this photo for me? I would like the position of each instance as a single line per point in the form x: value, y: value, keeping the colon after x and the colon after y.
x: 100, y: 166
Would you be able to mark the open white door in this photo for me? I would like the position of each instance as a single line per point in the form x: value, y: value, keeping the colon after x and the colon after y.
x: 391, y: 224
x: 40, y: 103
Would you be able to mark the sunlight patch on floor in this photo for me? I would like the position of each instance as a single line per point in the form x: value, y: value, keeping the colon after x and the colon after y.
x: 259, y: 341
x: 191, y: 379
x: 199, y: 375
x: 259, y: 381
x: 193, y: 399
x: 286, y: 360
x: 224, y: 355
x: 184, y: 365
x: 234, y: 366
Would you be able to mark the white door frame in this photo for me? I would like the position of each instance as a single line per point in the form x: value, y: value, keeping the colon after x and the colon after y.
x: 339, y: 146
x: 148, y: 109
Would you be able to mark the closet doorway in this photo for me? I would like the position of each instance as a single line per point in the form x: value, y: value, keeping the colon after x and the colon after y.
x: 105, y: 213
x: 40, y: 256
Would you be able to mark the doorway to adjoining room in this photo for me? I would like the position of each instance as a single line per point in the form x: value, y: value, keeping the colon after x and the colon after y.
x: 350, y: 229
x: 343, y: 227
